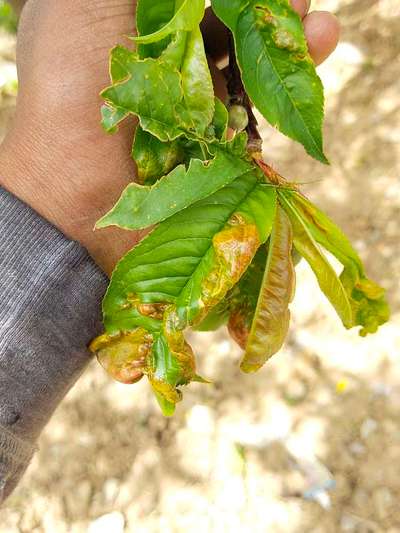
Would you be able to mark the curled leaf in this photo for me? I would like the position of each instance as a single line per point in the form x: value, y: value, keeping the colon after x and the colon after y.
x: 271, y: 318
x: 242, y: 300
x: 328, y: 280
x: 366, y: 299
x: 187, y: 16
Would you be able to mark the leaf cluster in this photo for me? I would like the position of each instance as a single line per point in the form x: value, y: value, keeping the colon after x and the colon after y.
x: 225, y: 226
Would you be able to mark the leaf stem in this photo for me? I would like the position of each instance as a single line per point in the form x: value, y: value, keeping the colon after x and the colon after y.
x: 238, y: 96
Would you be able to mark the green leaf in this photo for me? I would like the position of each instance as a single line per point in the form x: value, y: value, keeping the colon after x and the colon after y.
x: 271, y: 318
x: 277, y: 70
x: 188, y: 15
x: 327, y: 278
x: 367, y: 299
x: 154, y: 158
x: 141, y: 207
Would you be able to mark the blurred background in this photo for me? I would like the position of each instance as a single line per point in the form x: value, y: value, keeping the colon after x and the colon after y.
x: 312, y: 442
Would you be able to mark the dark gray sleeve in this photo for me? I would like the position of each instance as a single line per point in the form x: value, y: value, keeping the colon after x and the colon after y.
x: 50, y: 293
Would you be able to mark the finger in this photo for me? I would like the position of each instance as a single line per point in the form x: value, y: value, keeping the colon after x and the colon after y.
x: 322, y: 31
x: 301, y: 6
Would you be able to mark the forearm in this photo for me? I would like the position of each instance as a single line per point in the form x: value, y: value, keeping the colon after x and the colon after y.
x: 50, y: 292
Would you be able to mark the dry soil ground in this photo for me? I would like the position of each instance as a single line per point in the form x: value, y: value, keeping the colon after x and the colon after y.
x: 311, y: 443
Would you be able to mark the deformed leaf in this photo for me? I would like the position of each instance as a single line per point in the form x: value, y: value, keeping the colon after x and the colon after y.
x: 141, y: 207
x: 124, y: 355
x: 160, y: 268
x: 271, y: 318
x: 326, y: 232
x: 277, y: 70
x: 171, y: 365
x: 182, y: 269
x: 172, y: 96
x: 154, y: 158
x: 161, y: 112
x: 167, y: 408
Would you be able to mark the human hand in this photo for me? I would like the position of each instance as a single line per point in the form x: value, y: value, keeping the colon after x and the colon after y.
x: 56, y: 158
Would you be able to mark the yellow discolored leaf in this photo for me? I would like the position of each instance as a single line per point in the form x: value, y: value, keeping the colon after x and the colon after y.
x: 124, y: 356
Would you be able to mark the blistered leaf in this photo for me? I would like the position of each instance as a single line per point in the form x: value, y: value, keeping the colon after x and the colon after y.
x: 271, y: 318
x: 171, y: 365
x: 232, y: 252
x: 154, y: 158
x: 180, y: 15
x: 277, y: 70
x: 141, y: 207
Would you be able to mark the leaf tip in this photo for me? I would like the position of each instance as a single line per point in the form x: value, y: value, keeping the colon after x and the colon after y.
x: 248, y: 368
x: 103, y: 223
x: 167, y: 407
